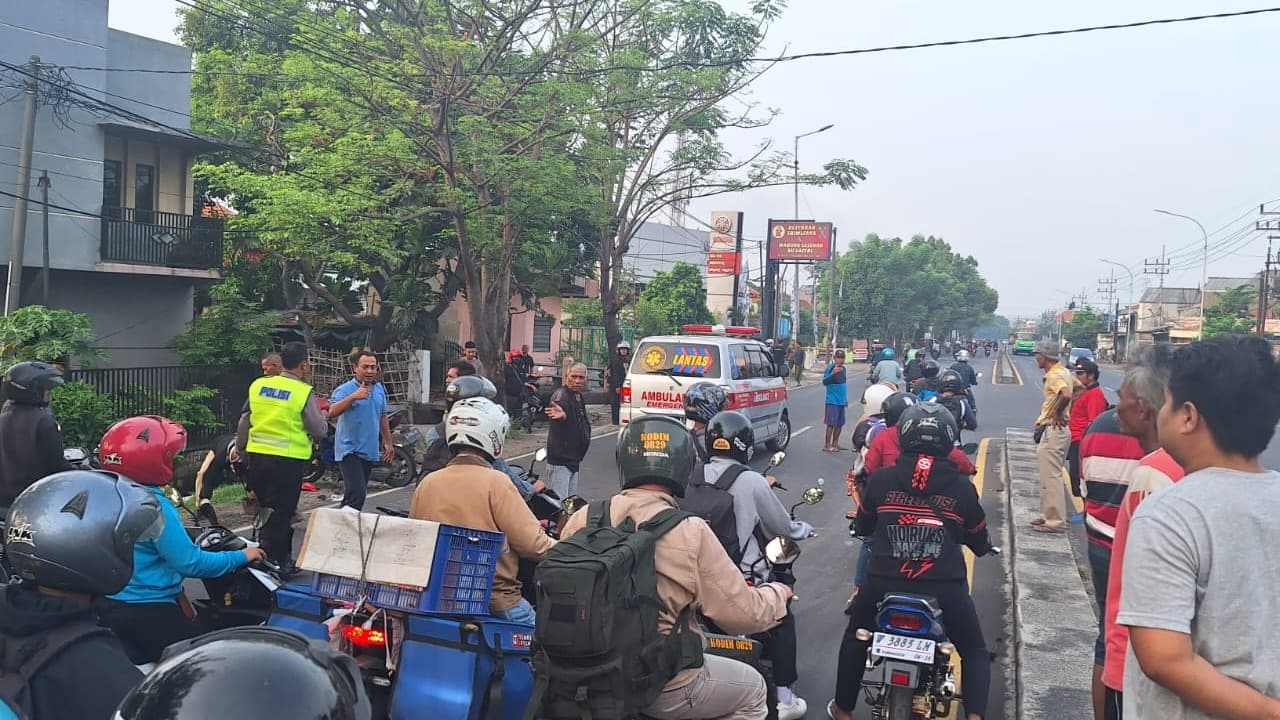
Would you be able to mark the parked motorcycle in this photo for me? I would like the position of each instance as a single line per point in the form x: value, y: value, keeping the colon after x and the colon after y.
x: 402, y: 470
x: 909, y: 672
x: 534, y: 403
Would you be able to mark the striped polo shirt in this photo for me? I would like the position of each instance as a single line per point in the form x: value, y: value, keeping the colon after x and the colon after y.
x: 1107, y: 459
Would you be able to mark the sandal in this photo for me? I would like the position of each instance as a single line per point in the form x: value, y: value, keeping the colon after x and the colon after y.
x: 851, y: 514
x: 1048, y: 529
x: 1038, y: 521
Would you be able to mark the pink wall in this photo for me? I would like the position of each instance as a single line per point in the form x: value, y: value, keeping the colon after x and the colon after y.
x: 521, y: 327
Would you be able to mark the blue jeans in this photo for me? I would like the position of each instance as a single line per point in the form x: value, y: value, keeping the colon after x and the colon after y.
x: 522, y: 613
x: 864, y: 564
x: 355, y: 480
x: 562, y: 480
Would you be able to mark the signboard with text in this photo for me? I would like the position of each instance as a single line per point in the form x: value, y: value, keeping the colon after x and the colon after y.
x: 724, y: 262
x: 799, y: 240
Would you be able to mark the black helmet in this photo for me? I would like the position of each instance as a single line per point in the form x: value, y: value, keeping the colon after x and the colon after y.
x: 703, y: 401
x: 27, y: 382
x: 75, y: 531
x: 930, y: 368
x: 254, y: 673
x: 893, y: 406
x: 656, y: 449
x: 468, y: 386
x: 729, y: 434
x: 927, y: 429
x: 950, y: 381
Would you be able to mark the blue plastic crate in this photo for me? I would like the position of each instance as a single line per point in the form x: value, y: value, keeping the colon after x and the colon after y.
x: 461, y: 578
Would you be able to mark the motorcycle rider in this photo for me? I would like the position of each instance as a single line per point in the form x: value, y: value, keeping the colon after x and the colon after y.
x: 913, y: 557
x: 927, y: 386
x: 887, y: 370
x: 968, y: 374
x: 70, y: 539
x: 438, y: 453
x: 469, y: 492
x: 760, y: 516
x: 702, y: 402
x: 304, y: 679
x: 913, y: 369
x: 693, y: 571
x: 951, y: 395
x: 617, y: 375
x: 864, y: 431
x: 30, y: 442
x: 151, y: 613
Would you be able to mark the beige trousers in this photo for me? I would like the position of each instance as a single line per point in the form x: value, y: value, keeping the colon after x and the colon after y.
x: 724, y: 690
x: 1051, y: 455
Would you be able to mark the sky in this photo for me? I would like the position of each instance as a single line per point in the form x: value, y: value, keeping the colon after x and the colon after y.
x: 1037, y: 157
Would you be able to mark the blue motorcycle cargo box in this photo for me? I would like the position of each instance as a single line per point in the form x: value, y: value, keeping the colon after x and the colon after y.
x: 469, y: 669
x: 298, y: 610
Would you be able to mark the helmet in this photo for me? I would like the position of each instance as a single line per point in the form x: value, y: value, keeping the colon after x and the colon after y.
x: 478, y: 423
x: 27, y: 382
x: 624, y: 344
x: 950, y: 381
x: 894, y: 405
x: 927, y: 429
x: 656, y: 449
x: 75, y: 531
x: 962, y: 356
x: 703, y: 401
x: 255, y: 673
x: 468, y: 386
x: 873, y: 399
x: 930, y: 368
x: 730, y: 434
x: 888, y: 354
x: 143, y: 448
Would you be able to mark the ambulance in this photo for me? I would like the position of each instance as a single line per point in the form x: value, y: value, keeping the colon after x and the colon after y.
x: 663, y: 367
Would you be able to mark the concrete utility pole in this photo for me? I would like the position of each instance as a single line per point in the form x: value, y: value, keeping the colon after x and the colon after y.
x: 18, y: 243
x: 1157, y: 267
x: 1265, y: 288
x: 1204, y: 267
x: 1107, y: 288
x: 44, y: 237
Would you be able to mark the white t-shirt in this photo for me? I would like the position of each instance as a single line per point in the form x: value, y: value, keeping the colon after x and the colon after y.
x: 1201, y: 560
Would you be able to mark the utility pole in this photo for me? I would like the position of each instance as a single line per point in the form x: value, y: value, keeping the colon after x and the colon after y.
x: 1157, y: 266
x: 1107, y: 288
x: 44, y: 185
x: 18, y: 243
x: 831, y: 294
x: 1265, y: 288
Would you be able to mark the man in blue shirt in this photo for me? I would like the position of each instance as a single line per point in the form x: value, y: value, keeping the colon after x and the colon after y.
x: 835, y: 377
x: 360, y: 407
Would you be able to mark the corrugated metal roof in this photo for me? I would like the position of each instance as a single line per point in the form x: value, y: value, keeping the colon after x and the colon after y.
x: 1222, y: 284
x: 1171, y: 296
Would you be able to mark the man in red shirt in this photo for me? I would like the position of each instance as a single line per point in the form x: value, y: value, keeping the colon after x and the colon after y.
x: 1087, y: 405
x: 1141, y: 396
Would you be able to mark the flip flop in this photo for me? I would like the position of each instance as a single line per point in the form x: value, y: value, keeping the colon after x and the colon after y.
x: 851, y: 514
x: 1038, y: 521
x: 1048, y: 529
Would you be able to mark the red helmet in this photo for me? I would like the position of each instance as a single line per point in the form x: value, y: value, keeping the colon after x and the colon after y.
x: 143, y: 448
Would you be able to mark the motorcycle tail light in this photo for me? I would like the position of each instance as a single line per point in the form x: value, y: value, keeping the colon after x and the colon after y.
x: 900, y: 678
x: 626, y: 392
x: 906, y: 621
x: 364, y: 637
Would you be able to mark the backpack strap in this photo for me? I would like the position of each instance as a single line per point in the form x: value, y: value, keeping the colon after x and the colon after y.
x: 24, y: 659
x: 729, y: 476
x: 599, y: 514
x: 664, y: 522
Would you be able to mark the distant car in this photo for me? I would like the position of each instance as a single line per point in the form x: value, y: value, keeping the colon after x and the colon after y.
x: 1077, y: 353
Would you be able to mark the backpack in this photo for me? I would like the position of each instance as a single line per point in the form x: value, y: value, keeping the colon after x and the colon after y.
x: 713, y: 503
x: 597, y: 652
x: 21, y: 659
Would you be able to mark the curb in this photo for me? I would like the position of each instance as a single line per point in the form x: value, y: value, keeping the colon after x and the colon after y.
x: 1054, y: 621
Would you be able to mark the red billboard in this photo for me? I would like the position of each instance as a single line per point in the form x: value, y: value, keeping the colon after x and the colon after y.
x: 724, y: 263
x: 799, y: 240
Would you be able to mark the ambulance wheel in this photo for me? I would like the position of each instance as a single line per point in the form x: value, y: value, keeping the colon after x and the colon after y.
x: 783, y: 438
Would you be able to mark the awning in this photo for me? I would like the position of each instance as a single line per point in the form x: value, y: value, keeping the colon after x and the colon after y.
x: 191, y: 142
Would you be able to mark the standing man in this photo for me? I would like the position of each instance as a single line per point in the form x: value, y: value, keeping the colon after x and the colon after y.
x: 569, y: 436
x: 835, y: 377
x: 797, y: 362
x: 617, y: 374
x: 524, y: 363
x: 472, y: 355
x: 271, y: 364
x: 277, y: 430
x: 513, y: 385
x: 1085, y: 408
x: 360, y: 407
x: 1054, y: 438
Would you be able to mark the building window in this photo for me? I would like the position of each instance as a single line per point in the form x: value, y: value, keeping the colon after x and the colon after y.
x: 542, y: 327
x: 144, y: 191
x: 112, y: 187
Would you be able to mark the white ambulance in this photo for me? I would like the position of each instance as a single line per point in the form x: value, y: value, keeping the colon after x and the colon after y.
x: 663, y: 367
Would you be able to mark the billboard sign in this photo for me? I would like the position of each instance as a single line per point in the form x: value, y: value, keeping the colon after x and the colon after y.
x: 724, y: 262
x: 799, y: 240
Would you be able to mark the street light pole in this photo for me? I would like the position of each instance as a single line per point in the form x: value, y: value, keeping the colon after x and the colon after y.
x: 1204, y: 268
x: 1114, y: 345
x: 795, y: 215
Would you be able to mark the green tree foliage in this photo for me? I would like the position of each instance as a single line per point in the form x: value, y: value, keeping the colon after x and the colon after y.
x: 232, y: 330
x: 901, y: 290
x: 583, y: 312
x: 1233, y: 313
x: 1084, y: 327
x: 35, y: 332
x: 84, y: 414
x: 673, y: 298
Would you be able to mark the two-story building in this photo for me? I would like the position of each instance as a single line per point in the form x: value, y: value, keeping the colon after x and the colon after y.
x: 127, y: 242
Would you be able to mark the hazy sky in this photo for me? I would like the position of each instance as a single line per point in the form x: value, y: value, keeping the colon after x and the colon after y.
x: 1035, y: 156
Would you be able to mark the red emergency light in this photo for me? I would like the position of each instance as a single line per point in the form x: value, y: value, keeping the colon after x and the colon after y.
x: 363, y: 636
x: 736, y: 330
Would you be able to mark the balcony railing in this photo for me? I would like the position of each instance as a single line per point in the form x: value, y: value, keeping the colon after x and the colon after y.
x: 153, y: 237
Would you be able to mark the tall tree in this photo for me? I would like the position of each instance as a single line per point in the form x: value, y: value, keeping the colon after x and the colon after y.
x: 672, y: 298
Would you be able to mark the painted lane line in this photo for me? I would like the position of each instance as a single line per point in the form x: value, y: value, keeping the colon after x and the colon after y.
x: 803, y: 429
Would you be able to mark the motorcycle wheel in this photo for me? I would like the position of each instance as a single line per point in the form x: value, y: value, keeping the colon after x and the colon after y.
x: 527, y: 420
x: 899, y: 704
x: 315, y: 471
x: 402, y: 470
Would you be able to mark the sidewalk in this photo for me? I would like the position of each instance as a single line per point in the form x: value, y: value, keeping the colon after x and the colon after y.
x: 1054, y: 620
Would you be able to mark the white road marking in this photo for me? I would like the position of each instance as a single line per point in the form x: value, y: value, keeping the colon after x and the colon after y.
x: 806, y: 427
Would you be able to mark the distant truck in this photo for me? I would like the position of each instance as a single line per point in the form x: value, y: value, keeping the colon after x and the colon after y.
x: 1024, y: 343
x: 860, y: 351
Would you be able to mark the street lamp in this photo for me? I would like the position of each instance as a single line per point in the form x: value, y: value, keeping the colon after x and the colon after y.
x: 1115, y: 349
x: 795, y: 215
x: 1204, y: 269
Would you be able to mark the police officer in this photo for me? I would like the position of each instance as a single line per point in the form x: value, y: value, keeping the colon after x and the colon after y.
x: 277, y: 432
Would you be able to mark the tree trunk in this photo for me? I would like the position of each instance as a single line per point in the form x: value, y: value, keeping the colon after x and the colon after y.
x: 609, y: 304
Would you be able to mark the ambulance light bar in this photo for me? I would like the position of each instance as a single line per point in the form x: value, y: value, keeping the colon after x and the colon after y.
x: 735, y: 330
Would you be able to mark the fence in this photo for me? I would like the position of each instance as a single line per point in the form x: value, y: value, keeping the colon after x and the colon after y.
x: 402, y: 374
x: 589, y: 345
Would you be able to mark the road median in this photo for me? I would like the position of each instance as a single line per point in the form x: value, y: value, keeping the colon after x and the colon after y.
x: 1054, y: 617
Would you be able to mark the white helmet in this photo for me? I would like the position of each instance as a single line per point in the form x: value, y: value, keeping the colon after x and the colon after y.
x: 624, y: 344
x: 874, y: 397
x: 477, y: 422
x: 963, y: 356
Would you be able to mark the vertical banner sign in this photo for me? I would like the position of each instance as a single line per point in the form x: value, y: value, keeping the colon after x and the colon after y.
x: 724, y: 263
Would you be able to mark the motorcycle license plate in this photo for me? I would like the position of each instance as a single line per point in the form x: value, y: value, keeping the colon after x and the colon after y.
x: 900, y: 647
x: 411, y: 435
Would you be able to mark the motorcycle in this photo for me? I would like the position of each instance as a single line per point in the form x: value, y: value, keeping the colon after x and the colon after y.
x: 533, y: 404
x: 909, y: 671
x: 402, y: 470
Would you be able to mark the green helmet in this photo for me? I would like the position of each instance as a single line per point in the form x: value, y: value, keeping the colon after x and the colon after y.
x: 656, y: 449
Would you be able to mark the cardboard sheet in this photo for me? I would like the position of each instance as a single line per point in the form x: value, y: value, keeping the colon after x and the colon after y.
x: 395, y: 550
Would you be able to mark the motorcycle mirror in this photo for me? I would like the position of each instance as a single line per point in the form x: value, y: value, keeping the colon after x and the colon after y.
x: 781, y: 551
x: 813, y: 495
x: 777, y: 458
x: 979, y: 376
x: 540, y: 455
x: 571, y: 504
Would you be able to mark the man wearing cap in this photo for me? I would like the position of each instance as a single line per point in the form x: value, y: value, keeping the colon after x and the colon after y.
x: 1053, y: 437
x: 835, y: 378
x: 1086, y: 406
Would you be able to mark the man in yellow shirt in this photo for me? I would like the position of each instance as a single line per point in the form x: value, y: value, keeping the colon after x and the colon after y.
x: 1054, y: 438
